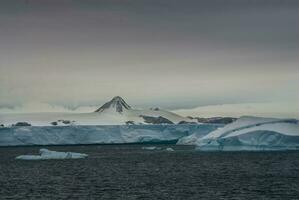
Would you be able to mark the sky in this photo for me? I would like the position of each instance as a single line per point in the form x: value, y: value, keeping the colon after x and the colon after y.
x: 73, y: 54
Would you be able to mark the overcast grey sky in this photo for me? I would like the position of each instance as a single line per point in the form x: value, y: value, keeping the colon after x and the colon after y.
x: 168, y: 53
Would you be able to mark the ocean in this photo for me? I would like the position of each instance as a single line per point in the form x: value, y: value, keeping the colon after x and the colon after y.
x: 130, y: 172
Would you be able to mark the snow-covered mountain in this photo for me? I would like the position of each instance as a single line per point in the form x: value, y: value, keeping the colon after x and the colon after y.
x: 250, y: 133
x: 114, y: 112
x: 117, y: 104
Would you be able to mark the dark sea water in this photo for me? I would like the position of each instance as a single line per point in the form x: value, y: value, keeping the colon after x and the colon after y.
x: 129, y: 172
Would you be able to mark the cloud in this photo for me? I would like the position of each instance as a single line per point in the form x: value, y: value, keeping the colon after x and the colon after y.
x: 173, y: 54
x: 34, y: 107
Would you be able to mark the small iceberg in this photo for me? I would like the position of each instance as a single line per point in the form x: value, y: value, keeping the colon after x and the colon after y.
x: 46, y: 154
x: 169, y: 149
x: 151, y: 148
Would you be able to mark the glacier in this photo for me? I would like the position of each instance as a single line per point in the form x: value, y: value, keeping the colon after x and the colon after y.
x: 250, y: 133
x: 102, y: 134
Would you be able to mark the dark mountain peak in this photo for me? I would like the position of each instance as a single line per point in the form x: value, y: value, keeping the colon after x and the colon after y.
x: 117, y: 98
x: 116, y: 103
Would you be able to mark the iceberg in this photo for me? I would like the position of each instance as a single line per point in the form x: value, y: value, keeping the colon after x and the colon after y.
x: 151, y: 148
x: 46, y: 154
x: 109, y: 134
x: 252, y: 134
x: 169, y: 149
x: 199, y: 132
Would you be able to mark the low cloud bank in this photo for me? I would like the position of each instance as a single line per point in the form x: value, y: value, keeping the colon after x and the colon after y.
x: 34, y: 107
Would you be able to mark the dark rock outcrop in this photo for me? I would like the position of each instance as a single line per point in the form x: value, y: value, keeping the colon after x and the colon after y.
x: 22, y: 124
x: 64, y: 121
x: 184, y: 122
x: 217, y: 120
x: 155, y: 109
x: 130, y: 123
x: 156, y: 120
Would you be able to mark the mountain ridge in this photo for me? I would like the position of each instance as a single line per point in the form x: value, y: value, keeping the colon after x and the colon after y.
x: 114, y: 112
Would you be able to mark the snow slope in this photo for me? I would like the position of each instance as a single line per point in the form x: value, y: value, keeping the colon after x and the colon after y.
x: 253, y: 133
x: 63, y: 135
x: 114, y: 112
x: 46, y: 154
x: 284, y: 109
